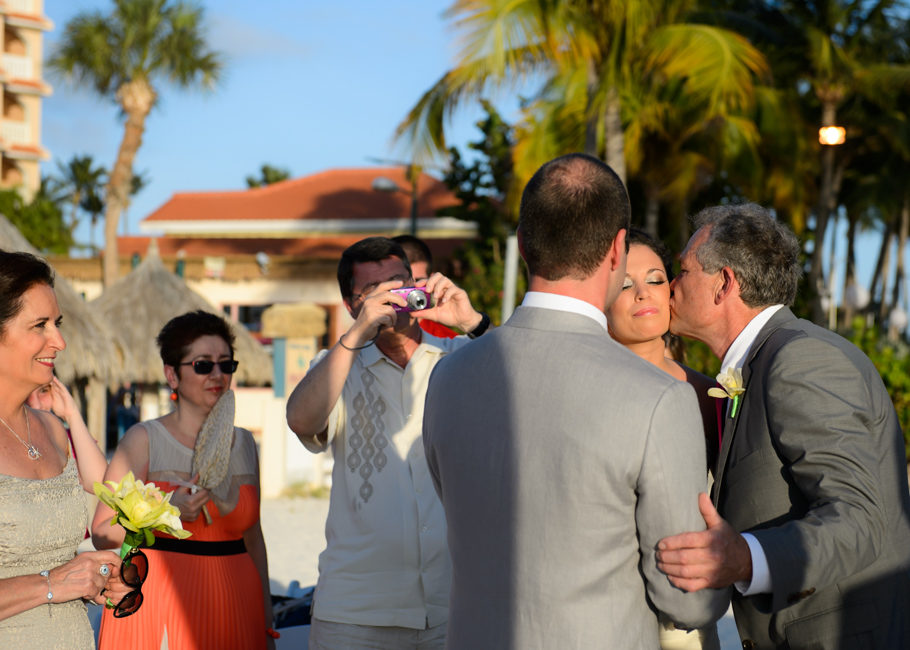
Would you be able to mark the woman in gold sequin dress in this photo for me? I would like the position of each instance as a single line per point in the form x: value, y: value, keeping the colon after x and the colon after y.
x: 42, y: 507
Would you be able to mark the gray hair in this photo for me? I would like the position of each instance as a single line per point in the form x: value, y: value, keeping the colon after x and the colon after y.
x: 762, y: 252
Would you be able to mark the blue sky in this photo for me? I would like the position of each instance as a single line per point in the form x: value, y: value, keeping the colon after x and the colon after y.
x: 308, y: 85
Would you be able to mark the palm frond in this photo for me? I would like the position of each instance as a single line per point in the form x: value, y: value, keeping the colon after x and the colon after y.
x: 719, y: 67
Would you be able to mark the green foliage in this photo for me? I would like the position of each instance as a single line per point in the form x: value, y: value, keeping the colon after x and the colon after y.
x: 482, y: 186
x: 148, y: 40
x: 891, y: 361
x: 700, y: 358
x: 269, y: 175
x: 40, y: 221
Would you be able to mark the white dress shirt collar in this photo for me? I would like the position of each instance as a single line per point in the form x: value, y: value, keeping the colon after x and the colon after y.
x: 739, y: 349
x: 564, y: 303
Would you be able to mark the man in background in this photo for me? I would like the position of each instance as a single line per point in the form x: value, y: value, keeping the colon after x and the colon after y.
x: 421, y: 259
x: 384, y: 576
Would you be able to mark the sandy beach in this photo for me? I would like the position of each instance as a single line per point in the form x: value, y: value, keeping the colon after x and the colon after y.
x: 294, y: 530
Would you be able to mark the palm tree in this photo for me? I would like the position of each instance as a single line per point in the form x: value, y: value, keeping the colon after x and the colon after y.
x: 80, y: 178
x: 602, y: 48
x: 125, y: 55
x: 839, y: 52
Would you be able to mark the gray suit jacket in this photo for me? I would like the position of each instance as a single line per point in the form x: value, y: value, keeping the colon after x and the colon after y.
x: 561, y: 459
x: 813, y: 465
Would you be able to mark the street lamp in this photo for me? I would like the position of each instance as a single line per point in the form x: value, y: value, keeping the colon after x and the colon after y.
x: 829, y: 136
x: 832, y: 135
x: 383, y: 184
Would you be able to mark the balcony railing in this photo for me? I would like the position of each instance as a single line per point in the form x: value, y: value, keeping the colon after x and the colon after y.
x: 18, y: 67
x: 15, y: 132
x: 21, y: 7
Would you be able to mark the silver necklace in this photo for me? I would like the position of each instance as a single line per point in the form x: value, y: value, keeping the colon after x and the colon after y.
x: 33, y: 452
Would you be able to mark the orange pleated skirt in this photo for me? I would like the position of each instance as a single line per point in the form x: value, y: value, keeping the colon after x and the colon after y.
x: 199, y: 602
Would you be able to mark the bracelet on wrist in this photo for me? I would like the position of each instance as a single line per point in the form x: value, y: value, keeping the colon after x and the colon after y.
x: 272, y: 633
x: 50, y: 593
x: 481, y: 328
x: 362, y: 347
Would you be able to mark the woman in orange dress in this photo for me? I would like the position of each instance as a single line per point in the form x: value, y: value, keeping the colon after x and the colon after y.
x: 210, y: 591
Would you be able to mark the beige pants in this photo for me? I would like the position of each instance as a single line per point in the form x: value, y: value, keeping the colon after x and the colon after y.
x: 325, y: 635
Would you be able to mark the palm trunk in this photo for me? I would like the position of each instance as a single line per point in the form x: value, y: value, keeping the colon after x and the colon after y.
x: 136, y: 98
x: 592, y: 119
x: 886, y: 269
x: 613, y: 133
x: 879, y: 263
x: 652, y: 208
x: 903, y: 233
x: 850, y: 275
x: 74, y: 219
x: 683, y: 223
x: 825, y: 198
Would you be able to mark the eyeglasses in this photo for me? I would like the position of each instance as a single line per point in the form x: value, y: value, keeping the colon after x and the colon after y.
x: 370, y: 288
x: 205, y: 367
x: 133, y: 571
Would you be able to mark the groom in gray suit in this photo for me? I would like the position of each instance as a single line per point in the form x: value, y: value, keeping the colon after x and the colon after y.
x: 561, y: 458
x: 812, y: 518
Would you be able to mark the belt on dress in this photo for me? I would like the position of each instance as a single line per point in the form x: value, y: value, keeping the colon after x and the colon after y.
x: 195, y: 547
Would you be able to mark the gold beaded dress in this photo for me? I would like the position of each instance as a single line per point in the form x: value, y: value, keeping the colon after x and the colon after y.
x: 42, y: 521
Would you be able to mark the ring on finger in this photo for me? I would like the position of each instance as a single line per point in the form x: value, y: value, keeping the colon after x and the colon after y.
x: 104, y: 570
x: 108, y: 603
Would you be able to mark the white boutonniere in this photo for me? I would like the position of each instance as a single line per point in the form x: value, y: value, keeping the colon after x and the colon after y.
x: 731, y: 385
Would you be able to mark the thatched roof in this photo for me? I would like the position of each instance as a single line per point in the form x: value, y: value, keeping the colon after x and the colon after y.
x: 294, y: 320
x: 140, y: 304
x: 93, y: 350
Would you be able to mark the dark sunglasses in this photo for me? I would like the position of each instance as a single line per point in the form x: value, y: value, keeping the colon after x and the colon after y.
x: 205, y: 367
x: 133, y: 571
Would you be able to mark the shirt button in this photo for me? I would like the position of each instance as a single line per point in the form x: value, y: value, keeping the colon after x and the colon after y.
x: 419, y: 490
x: 423, y: 530
x: 409, y: 416
x: 413, y: 454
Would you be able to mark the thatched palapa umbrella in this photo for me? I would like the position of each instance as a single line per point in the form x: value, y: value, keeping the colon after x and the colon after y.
x: 94, y: 353
x: 141, y: 303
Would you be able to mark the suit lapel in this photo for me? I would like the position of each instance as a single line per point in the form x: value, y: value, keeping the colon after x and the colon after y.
x: 731, y: 423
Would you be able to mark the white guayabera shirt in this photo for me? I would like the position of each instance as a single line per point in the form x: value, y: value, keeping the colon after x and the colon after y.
x: 386, y: 561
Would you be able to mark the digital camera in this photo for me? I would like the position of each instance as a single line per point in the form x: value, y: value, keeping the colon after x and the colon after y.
x: 417, y: 299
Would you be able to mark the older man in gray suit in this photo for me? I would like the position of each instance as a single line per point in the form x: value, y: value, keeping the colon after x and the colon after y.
x: 561, y: 458
x: 811, y: 468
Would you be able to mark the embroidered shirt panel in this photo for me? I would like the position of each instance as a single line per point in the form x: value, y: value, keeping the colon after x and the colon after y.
x: 386, y: 561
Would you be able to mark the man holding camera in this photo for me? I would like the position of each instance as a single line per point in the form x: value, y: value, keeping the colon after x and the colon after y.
x: 384, y: 577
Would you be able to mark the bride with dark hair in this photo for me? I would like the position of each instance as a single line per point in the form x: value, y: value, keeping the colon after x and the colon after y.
x: 639, y: 319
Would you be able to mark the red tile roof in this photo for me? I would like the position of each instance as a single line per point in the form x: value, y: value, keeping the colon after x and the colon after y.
x: 326, y: 248
x: 332, y: 194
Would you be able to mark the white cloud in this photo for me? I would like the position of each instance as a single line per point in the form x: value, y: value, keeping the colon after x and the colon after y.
x: 240, y: 40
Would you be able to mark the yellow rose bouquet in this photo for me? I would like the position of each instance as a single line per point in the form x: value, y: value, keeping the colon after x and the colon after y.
x: 140, y: 508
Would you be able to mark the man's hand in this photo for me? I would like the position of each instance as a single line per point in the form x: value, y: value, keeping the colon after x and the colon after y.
x: 715, y: 558
x: 451, y: 305
x: 375, y: 313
